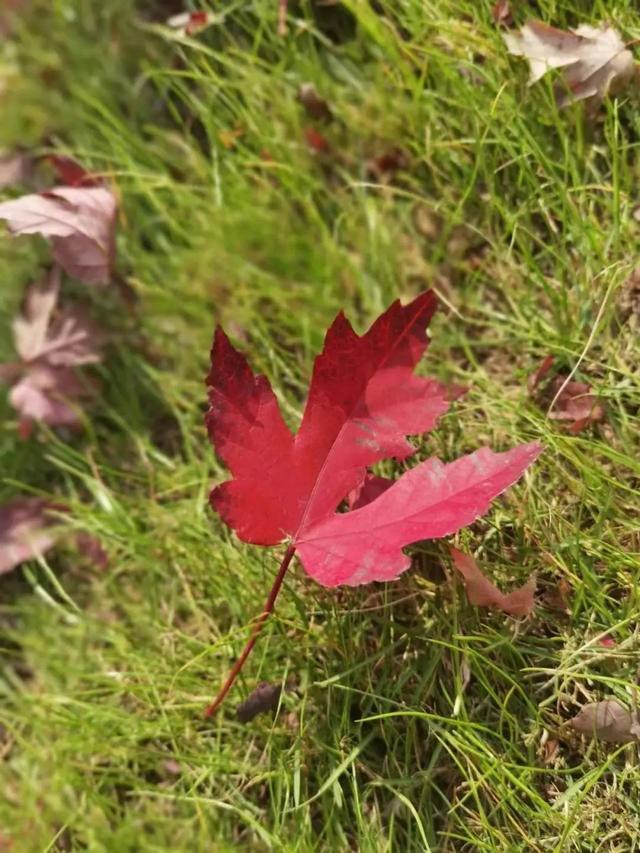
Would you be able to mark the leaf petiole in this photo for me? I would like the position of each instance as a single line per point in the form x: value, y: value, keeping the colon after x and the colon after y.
x: 266, y: 610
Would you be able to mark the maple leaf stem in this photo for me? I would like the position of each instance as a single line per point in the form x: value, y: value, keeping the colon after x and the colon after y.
x: 266, y: 610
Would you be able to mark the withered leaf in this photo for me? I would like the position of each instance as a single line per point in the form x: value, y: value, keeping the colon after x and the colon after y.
x: 80, y: 221
x: 264, y: 698
x: 64, y: 339
x: 25, y: 531
x: 594, y: 60
x: 576, y: 403
x: 483, y: 593
x: 608, y: 721
x: 50, y: 343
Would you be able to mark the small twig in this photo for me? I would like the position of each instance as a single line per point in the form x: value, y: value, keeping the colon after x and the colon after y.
x: 266, y: 610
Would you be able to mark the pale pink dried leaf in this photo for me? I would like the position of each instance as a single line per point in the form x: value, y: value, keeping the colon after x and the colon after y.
x: 483, y: 593
x: 593, y: 59
x: 607, y: 720
x: 47, y: 394
x: 24, y: 531
x: 80, y: 221
x: 63, y: 339
x: 30, y: 329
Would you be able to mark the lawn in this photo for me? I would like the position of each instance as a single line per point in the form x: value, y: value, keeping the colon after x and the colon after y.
x: 414, y: 720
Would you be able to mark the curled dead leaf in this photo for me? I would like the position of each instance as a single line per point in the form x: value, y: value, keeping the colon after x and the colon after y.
x: 593, y: 60
x: 263, y: 698
x: 483, y: 593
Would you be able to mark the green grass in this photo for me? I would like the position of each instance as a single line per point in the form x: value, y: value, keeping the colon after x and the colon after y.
x: 418, y: 722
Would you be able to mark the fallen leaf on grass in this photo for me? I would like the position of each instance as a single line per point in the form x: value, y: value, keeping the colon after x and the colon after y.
x: 79, y: 221
x: 575, y: 403
x: 364, y: 399
x: 24, y: 531
x: 63, y: 338
x: 50, y: 343
x: 608, y: 721
x: 594, y: 60
x: 572, y: 401
x: 483, y: 593
x: 264, y: 698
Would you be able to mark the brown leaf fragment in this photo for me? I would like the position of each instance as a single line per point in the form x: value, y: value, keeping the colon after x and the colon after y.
x: 543, y: 368
x: 483, y: 593
x: 264, y: 698
x: 501, y: 13
x: 24, y: 531
x: 575, y: 403
x: 79, y: 221
x: 594, y: 60
x: 608, y: 721
x: 315, y: 106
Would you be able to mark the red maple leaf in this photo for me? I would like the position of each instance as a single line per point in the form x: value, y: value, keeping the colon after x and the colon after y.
x: 363, y: 401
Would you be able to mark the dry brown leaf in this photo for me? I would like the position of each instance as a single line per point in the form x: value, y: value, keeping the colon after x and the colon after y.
x: 539, y: 374
x: 575, y: 403
x: 483, y: 593
x: 608, y: 721
x: 594, y: 60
